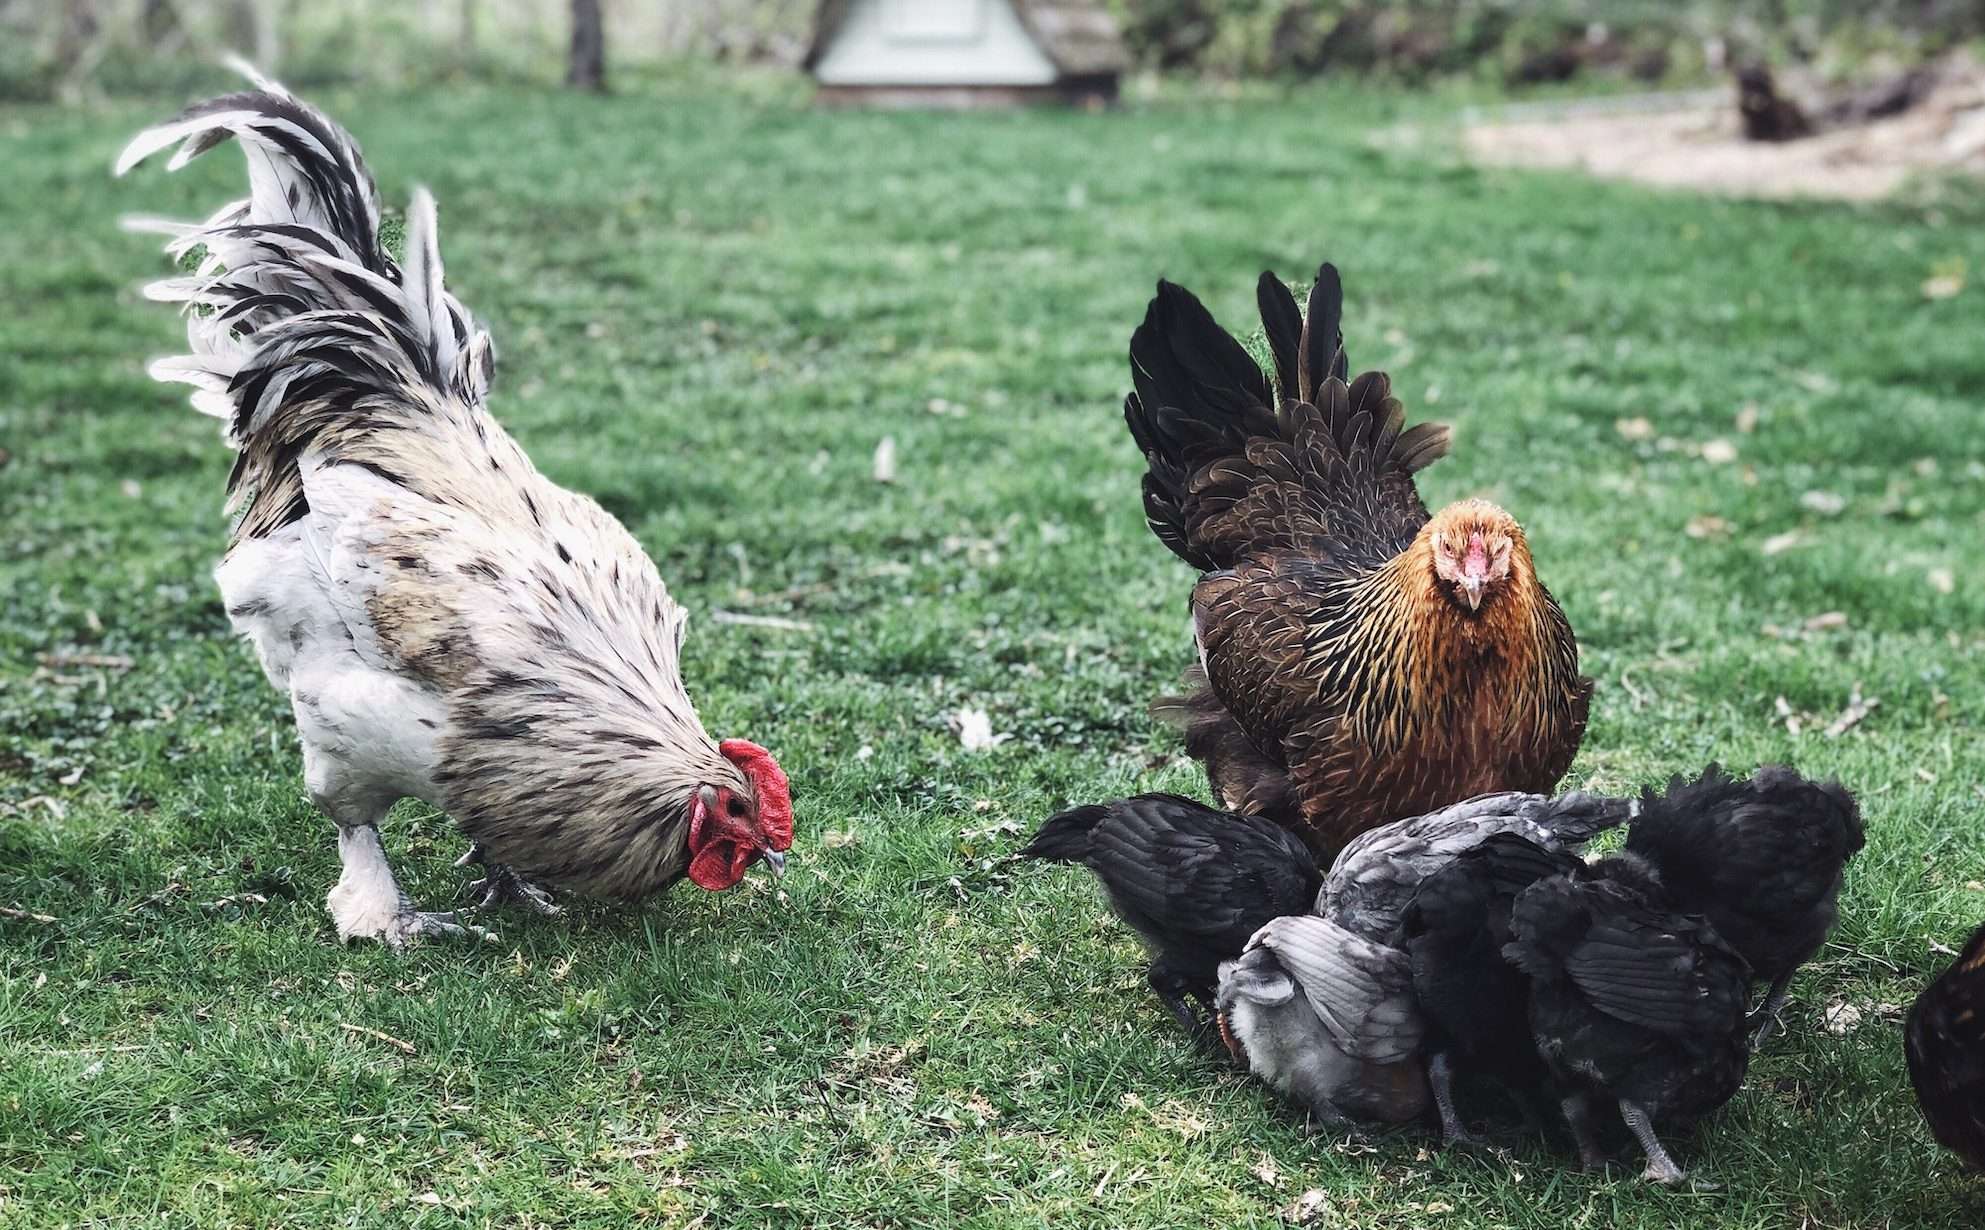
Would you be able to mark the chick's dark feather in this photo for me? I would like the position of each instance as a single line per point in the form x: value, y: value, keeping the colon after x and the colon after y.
x: 1945, y: 1045
x: 1631, y: 999
x: 1194, y: 883
x: 1477, y: 1005
x: 1764, y: 860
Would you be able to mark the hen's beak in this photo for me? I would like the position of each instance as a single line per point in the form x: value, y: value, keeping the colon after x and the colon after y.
x: 776, y: 860
x: 1471, y: 592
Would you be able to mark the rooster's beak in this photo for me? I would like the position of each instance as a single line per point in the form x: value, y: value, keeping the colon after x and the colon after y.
x: 776, y: 860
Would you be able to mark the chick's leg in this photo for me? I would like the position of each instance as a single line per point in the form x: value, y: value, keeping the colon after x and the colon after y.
x: 1440, y: 1077
x: 1578, y: 1117
x: 1768, y: 1019
x: 1660, y: 1167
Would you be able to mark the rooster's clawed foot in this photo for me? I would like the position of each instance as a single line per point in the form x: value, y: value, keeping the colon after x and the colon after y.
x: 416, y: 924
x: 502, y: 886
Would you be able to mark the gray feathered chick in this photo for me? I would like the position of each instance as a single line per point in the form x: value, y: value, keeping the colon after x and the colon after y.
x: 446, y: 622
x: 1327, y: 1019
x: 1374, y: 879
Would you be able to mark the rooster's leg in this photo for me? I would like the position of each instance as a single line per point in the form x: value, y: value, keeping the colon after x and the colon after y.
x: 367, y: 902
x: 501, y: 884
x: 1660, y: 1167
x: 1440, y: 1075
x: 1768, y: 1019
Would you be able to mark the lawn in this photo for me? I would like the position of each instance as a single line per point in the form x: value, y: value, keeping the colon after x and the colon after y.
x: 1719, y: 422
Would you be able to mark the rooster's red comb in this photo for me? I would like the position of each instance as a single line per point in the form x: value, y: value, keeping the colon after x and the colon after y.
x: 768, y: 782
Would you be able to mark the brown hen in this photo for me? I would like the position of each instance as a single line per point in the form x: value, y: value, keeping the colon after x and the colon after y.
x: 1359, y: 660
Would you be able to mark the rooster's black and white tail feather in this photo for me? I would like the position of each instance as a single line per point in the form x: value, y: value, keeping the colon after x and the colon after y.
x: 300, y: 323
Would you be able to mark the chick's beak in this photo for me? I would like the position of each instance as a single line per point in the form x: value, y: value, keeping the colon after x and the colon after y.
x: 776, y: 860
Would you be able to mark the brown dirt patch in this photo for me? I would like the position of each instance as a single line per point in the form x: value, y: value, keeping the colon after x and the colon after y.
x: 1693, y: 143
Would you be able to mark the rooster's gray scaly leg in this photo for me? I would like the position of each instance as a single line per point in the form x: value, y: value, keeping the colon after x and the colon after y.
x: 502, y: 885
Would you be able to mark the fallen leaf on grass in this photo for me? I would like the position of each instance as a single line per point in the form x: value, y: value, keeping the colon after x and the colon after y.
x: 1943, y: 286
x: 1825, y: 503
x: 1747, y: 418
x: 1306, y: 1208
x: 773, y: 622
x: 1719, y: 452
x: 369, y: 1032
x: 1707, y: 526
x: 72, y: 661
x: 1778, y: 544
x: 1826, y: 621
x: 1843, y: 1017
x: 836, y: 839
x: 974, y: 730
x: 1941, y: 580
x: 1634, y: 428
x: 1264, y: 1168
x: 885, y: 460
x: 1850, y: 717
x: 1794, y: 723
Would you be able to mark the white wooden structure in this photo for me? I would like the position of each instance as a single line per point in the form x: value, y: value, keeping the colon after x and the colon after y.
x: 963, y: 52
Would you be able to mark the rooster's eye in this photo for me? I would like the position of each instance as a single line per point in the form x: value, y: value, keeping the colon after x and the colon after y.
x: 735, y: 808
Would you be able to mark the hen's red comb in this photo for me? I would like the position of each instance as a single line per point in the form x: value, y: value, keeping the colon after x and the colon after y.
x: 768, y: 781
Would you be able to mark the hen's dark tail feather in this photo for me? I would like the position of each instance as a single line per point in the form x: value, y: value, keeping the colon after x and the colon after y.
x: 1199, y: 398
x: 298, y: 320
x: 1242, y: 776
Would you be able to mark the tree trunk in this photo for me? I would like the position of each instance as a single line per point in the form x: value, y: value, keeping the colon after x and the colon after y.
x: 587, y: 69
x: 76, y: 33
x: 160, y: 22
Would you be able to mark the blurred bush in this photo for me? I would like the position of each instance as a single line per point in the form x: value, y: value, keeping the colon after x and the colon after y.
x: 1527, y: 42
x: 71, y: 48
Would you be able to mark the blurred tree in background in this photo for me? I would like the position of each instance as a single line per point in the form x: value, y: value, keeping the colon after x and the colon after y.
x: 72, y: 48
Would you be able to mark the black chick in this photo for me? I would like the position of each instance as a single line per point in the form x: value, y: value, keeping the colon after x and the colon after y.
x: 1476, y: 1004
x: 1630, y: 1000
x: 1945, y: 1044
x: 1762, y: 859
x: 1194, y: 883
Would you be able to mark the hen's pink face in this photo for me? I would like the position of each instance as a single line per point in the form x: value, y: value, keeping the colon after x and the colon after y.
x: 1472, y: 562
x: 729, y: 829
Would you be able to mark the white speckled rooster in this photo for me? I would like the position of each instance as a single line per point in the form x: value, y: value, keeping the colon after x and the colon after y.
x: 447, y: 622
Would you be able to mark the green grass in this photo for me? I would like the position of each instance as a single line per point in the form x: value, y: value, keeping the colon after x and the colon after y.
x: 709, y: 308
